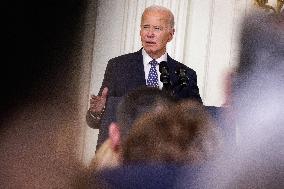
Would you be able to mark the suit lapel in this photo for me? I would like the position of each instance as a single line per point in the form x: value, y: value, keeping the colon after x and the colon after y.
x: 172, y: 68
x: 137, y: 71
x: 171, y: 64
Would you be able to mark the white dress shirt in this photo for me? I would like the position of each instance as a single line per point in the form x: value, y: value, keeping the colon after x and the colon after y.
x: 147, y: 65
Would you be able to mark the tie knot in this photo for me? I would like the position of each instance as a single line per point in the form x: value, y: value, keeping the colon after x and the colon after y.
x: 153, y: 62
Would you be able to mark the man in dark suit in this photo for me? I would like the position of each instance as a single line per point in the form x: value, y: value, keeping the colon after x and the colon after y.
x: 130, y: 71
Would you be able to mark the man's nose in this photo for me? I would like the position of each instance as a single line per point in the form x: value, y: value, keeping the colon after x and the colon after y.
x: 150, y: 33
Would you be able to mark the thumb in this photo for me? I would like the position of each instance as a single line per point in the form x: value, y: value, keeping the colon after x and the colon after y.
x: 114, y: 135
x: 105, y: 92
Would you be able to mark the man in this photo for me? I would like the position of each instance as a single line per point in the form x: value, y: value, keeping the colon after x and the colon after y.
x: 127, y: 72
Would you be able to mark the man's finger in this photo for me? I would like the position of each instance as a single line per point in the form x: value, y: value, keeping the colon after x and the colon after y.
x: 104, y: 93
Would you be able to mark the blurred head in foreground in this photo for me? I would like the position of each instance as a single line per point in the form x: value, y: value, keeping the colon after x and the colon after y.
x: 132, y: 106
x: 160, y: 146
x: 39, y: 111
x: 183, y: 134
x: 258, y: 110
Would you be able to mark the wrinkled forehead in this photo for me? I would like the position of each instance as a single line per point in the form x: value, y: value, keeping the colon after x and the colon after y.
x: 158, y: 16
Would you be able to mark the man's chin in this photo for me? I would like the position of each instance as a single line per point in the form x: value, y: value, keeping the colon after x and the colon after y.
x: 150, y: 50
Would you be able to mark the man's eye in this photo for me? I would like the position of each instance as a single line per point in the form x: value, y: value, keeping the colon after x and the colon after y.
x: 145, y: 27
x: 158, y: 28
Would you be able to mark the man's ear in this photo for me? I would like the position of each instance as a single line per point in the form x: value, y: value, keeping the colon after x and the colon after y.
x: 172, y: 32
x: 114, y: 135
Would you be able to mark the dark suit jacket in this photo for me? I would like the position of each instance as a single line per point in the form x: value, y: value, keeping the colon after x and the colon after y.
x: 126, y: 73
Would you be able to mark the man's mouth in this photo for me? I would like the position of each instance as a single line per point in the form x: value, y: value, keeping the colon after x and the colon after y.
x: 150, y: 42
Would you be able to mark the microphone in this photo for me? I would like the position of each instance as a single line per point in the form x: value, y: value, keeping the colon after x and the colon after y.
x: 183, y: 80
x: 165, y: 75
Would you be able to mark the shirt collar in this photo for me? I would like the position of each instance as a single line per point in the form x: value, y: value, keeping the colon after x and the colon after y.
x: 147, y: 58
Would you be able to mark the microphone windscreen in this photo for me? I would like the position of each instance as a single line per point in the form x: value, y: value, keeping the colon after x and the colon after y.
x: 163, y: 67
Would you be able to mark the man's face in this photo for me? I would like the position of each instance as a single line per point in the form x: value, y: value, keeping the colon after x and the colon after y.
x: 155, y: 33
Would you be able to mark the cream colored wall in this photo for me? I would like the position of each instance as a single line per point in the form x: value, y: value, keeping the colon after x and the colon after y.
x: 106, y: 46
x: 205, y: 40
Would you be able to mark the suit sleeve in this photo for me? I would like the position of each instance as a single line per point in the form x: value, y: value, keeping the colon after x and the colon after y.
x: 194, y: 87
x: 108, y: 81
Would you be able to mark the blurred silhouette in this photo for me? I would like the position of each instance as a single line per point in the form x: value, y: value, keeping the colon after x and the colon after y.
x: 185, y: 133
x: 257, y: 107
x: 39, y: 99
x: 130, y: 107
x: 161, y: 145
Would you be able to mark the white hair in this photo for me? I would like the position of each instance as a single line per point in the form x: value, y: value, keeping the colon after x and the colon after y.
x: 162, y: 9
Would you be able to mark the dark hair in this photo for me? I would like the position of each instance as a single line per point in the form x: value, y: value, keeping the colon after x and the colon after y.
x: 183, y: 133
x: 137, y: 102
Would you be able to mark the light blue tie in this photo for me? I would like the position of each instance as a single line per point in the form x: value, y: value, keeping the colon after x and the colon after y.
x: 152, y: 80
